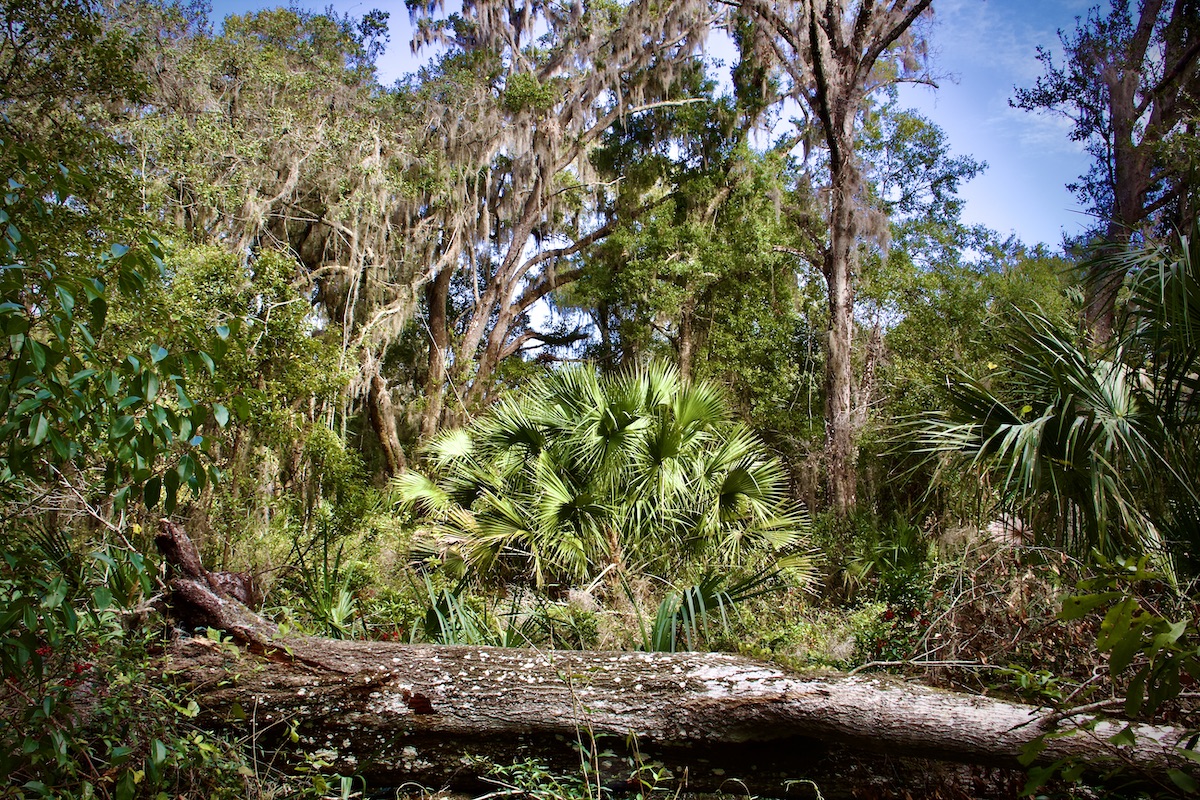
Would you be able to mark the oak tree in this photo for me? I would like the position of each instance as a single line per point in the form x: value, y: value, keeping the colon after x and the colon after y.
x: 1129, y: 85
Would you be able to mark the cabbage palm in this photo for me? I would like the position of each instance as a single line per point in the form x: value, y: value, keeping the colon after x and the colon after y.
x: 578, y: 473
x: 1102, y: 446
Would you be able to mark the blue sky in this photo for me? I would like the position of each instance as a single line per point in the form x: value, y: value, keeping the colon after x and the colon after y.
x: 984, y: 48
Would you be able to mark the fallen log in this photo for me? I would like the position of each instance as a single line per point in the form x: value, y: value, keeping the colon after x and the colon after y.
x: 443, y: 716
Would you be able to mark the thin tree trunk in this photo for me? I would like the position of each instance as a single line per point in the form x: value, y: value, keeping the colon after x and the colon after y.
x: 839, y: 373
x: 382, y: 415
x: 686, y: 340
x: 437, y: 298
x: 865, y: 395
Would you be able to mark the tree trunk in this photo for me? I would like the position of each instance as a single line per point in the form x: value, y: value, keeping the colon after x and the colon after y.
x: 441, y: 716
x: 437, y: 298
x: 686, y: 340
x: 839, y: 368
x: 401, y: 713
x: 383, y: 421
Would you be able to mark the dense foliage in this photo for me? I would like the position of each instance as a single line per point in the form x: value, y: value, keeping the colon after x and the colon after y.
x: 582, y: 475
x: 562, y: 342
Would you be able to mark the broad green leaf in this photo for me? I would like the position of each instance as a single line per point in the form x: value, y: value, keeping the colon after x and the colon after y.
x: 152, y: 491
x: 1124, y: 737
x: 1183, y: 780
x: 1077, y: 606
x: 40, y: 427
x: 122, y: 427
x: 1116, y: 623
x: 158, y: 752
x: 37, y: 354
x: 81, y: 376
x: 126, y: 787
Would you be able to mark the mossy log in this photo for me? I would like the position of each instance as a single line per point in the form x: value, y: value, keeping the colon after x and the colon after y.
x: 439, y: 716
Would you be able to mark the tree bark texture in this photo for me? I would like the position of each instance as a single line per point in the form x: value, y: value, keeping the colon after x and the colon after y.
x: 840, y: 444
x: 437, y: 298
x: 440, y: 716
x: 382, y: 415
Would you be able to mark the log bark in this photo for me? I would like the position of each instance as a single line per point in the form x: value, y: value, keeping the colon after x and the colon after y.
x: 440, y: 716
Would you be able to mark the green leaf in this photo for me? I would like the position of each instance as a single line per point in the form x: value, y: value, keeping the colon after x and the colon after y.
x: 152, y: 491
x: 171, y: 484
x: 1124, y: 651
x: 66, y: 299
x: 81, y: 376
x: 40, y: 428
x: 1125, y: 737
x: 1116, y: 623
x: 221, y: 413
x: 1184, y: 781
x: 65, y: 450
x: 122, y: 427
x: 241, y: 407
x: 37, y: 354
x: 1135, y: 695
x: 157, y: 353
x: 126, y: 788
x: 99, y: 310
x: 119, y: 250
x: 1077, y: 606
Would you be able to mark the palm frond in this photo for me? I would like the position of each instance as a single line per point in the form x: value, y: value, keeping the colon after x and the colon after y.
x: 412, y: 490
x: 580, y: 470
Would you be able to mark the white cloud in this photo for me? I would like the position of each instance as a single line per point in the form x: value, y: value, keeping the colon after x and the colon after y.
x: 1046, y: 132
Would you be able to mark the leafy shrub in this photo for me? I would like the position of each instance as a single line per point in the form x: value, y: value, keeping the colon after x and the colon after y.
x: 579, y: 476
x: 80, y: 715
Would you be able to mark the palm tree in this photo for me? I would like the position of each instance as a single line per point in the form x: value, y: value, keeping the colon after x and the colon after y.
x: 578, y: 474
x: 1099, y: 448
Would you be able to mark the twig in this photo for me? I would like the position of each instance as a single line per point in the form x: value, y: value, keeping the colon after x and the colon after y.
x: 919, y: 663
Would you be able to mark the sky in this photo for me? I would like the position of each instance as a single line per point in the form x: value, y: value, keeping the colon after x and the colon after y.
x: 983, y: 48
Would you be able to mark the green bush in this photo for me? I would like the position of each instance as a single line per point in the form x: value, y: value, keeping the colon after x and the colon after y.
x: 81, y: 715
